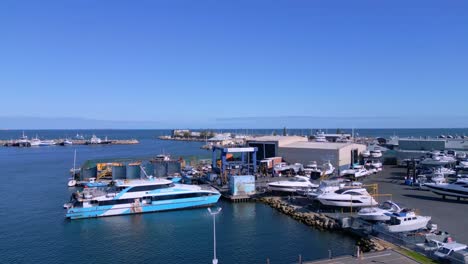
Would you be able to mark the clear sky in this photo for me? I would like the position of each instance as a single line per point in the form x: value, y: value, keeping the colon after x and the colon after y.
x: 299, y: 63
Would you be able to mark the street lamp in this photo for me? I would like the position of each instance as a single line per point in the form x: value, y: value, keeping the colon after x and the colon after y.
x: 214, y: 213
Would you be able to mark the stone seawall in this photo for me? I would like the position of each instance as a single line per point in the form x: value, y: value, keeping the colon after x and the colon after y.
x: 319, y: 221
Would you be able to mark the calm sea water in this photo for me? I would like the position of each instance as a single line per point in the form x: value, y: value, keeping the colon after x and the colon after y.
x: 33, y: 229
x: 154, y: 133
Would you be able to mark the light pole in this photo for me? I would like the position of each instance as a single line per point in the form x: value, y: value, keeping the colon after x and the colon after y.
x: 214, y: 213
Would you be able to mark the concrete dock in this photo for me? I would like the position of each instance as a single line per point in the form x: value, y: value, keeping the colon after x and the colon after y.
x: 450, y: 215
x: 387, y: 256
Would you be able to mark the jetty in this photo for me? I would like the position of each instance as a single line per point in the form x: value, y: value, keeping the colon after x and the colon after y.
x: 57, y: 142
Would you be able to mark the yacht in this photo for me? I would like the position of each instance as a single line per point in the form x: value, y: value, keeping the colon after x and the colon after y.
x: 79, y: 137
x: 95, y: 140
x: 46, y: 142
x: 379, y: 213
x: 376, y: 153
x: 295, y: 184
x: 356, y: 171
x: 331, y: 186
x: 313, y: 169
x: 283, y: 167
x: 462, y: 165
x: 35, y: 141
x: 138, y: 196
x: 403, y: 221
x: 320, y: 137
x: 365, y: 153
x: 66, y: 142
x: 438, y: 158
x: 460, y: 155
x: 355, y: 197
x: 457, y: 189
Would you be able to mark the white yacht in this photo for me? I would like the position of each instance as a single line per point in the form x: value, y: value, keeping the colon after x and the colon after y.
x: 320, y: 137
x: 138, y: 196
x: 462, y: 165
x: 458, y: 189
x: 356, y: 171
x: 379, y: 213
x: 404, y: 221
x: 376, y: 153
x: 312, y: 169
x: 283, y: 167
x: 365, y: 153
x: 47, y: 142
x: 460, y: 155
x: 355, y: 197
x: 331, y: 186
x: 95, y: 140
x: 35, y: 141
x: 295, y: 184
x: 438, y: 158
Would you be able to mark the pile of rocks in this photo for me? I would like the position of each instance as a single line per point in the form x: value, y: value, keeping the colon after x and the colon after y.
x: 317, y: 220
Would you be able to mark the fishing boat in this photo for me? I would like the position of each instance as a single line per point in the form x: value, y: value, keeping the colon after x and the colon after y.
x: 138, y: 196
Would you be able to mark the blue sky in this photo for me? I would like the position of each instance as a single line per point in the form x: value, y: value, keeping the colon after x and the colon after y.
x: 234, y: 63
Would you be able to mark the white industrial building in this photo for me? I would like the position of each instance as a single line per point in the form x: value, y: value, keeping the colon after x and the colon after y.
x: 298, y: 149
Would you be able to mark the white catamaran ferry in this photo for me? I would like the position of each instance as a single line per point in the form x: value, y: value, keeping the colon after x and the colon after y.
x: 138, y: 196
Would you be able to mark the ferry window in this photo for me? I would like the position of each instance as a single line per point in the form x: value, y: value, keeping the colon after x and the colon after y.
x: 149, y: 187
x: 414, y: 218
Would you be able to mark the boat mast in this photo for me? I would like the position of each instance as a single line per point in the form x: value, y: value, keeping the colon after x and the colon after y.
x: 74, y: 164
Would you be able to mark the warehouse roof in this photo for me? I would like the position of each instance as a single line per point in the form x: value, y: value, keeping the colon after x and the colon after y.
x: 318, y: 145
x: 282, y: 140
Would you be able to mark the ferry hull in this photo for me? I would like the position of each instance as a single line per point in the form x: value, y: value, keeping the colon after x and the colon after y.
x: 126, y: 209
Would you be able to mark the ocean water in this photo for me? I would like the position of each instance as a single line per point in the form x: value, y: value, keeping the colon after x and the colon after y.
x: 33, y: 229
x: 154, y: 133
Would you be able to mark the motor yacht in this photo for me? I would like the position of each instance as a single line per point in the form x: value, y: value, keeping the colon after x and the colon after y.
x: 312, y: 169
x: 356, y: 171
x: 379, y: 213
x: 458, y: 189
x: 404, y: 221
x: 376, y: 153
x: 354, y: 197
x: 320, y: 137
x: 365, y: 153
x: 295, y: 184
x: 330, y: 186
x: 47, y: 142
x: 138, y: 196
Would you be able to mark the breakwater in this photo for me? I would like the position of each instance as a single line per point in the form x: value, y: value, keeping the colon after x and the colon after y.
x: 319, y: 221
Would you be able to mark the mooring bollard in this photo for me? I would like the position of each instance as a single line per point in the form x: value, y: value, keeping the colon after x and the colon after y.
x: 300, y: 259
x: 329, y: 254
x: 268, y: 260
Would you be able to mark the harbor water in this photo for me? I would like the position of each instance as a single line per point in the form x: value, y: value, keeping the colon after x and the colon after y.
x: 33, y: 228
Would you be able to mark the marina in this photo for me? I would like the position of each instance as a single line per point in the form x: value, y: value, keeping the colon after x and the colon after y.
x: 318, y: 196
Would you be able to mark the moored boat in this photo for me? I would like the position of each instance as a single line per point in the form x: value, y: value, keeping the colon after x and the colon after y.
x: 138, y: 196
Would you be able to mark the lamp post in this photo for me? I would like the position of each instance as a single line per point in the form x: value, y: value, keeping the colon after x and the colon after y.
x: 214, y: 213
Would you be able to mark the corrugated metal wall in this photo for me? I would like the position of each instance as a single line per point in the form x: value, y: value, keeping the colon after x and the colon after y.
x: 305, y: 155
